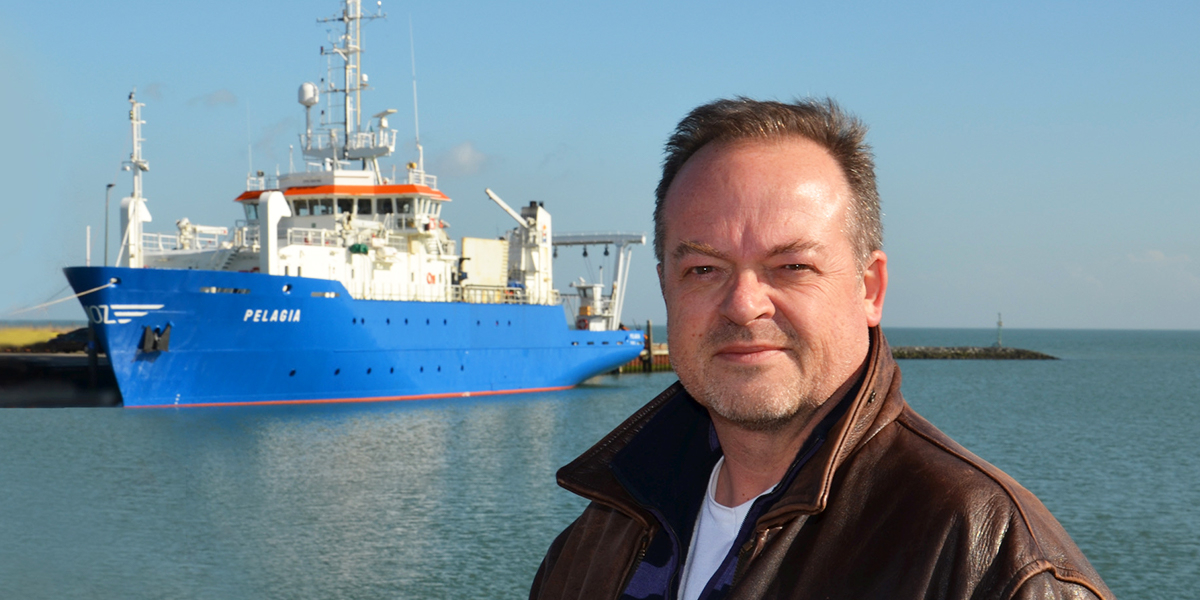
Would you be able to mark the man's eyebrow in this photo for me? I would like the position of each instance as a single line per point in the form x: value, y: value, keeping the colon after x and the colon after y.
x: 687, y: 247
x: 796, y: 246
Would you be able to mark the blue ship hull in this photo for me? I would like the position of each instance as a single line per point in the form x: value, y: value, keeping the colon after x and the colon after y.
x: 249, y: 338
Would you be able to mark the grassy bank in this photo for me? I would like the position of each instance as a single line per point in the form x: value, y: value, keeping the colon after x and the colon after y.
x: 17, y: 337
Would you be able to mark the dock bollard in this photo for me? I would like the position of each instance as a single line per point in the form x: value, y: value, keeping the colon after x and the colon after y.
x: 648, y: 353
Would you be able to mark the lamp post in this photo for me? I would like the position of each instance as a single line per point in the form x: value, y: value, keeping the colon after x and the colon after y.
x: 107, y: 192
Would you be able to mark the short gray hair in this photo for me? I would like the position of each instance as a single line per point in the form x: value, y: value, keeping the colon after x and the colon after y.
x: 821, y: 121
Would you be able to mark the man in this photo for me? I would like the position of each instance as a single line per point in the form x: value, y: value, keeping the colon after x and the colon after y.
x: 786, y: 464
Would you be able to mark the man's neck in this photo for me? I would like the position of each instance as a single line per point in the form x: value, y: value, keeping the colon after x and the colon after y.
x: 756, y: 460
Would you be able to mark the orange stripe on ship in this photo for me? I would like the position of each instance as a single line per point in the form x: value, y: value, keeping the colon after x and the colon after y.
x: 350, y: 190
x: 373, y: 399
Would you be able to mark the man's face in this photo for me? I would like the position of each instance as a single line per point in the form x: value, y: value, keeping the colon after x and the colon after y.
x: 767, y: 311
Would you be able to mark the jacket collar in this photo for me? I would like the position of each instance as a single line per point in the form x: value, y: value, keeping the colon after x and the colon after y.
x: 876, y: 402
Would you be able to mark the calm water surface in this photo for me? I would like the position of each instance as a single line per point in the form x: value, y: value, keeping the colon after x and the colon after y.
x: 457, y: 499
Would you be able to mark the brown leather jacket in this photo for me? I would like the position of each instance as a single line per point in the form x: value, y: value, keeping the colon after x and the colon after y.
x: 888, y: 507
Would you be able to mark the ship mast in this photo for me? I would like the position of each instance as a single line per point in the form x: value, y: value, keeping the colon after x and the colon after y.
x: 133, y: 208
x: 136, y: 163
x: 346, y: 140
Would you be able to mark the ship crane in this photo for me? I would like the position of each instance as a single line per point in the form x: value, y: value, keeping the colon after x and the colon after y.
x: 597, y: 312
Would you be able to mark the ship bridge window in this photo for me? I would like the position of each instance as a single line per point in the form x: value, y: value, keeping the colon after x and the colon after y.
x: 405, y: 207
x: 345, y: 205
x: 300, y: 208
x: 322, y: 207
x: 364, y: 206
x: 251, y: 211
x: 385, y: 206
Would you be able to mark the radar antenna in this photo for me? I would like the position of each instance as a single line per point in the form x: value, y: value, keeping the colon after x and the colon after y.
x: 412, y: 53
x: 346, y: 139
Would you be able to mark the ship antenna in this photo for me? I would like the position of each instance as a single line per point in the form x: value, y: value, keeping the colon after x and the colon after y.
x: 249, y: 149
x: 412, y: 53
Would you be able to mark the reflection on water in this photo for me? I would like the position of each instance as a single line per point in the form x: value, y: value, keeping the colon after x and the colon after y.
x: 450, y: 499
x: 420, y: 499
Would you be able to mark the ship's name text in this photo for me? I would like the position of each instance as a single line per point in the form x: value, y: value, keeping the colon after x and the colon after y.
x: 271, y: 316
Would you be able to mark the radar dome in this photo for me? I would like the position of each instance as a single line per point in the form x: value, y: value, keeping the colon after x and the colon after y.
x: 308, y: 94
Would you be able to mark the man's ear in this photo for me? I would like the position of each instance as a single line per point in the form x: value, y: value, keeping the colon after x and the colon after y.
x: 875, y: 280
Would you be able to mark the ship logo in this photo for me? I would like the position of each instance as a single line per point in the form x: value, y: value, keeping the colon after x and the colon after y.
x: 118, y: 314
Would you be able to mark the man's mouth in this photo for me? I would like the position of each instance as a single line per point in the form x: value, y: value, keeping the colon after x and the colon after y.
x: 749, y: 353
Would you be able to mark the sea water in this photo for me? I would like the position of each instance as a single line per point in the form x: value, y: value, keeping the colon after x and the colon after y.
x: 457, y: 499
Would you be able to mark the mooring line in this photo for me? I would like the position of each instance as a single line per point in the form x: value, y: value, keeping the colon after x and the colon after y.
x: 52, y: 302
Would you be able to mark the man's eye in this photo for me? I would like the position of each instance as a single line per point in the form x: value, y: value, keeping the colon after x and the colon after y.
x: 797, y: 267
x: 700, y: 270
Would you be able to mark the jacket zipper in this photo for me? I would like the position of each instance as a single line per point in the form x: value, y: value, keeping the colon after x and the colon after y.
x: 637, y: 560
x: 751, y: 550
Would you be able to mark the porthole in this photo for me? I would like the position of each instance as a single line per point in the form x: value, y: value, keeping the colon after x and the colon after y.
x: 337, y: 371
x: 292, y: 374
x: 368, y: 370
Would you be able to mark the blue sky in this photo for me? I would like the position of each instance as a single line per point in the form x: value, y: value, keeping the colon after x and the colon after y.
x: 1036, y: 159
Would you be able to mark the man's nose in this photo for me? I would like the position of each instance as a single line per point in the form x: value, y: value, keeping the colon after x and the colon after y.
x: 747, y: 299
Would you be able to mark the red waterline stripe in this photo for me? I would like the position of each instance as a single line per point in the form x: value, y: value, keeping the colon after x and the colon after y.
x: 349, y: 400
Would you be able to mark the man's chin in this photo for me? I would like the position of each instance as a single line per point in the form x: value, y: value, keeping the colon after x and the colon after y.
x: 753, y: 407
x: 756, y: 422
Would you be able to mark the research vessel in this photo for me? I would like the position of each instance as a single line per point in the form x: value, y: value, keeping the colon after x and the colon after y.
x: 341, y: 283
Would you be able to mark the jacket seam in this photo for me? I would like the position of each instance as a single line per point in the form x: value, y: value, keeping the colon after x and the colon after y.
x: 1042, y: 565
x: 1008, y: 491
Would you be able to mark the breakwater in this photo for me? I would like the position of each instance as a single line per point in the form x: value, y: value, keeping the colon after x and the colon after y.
x: 968, y: 353
x: 660, y: 358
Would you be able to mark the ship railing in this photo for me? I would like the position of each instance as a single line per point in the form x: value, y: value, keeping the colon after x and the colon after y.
x: 313, y: 237
x: 167, y: 242
x: 199, y: 240
x: 419, y: 177
x: 245, y: 235
x: 159, y: 242
x: 371, y: 140
x: 259, y: 182
x: 400, y: 222
x: 488, y: 294
x: 377, y: 290
x: 318, y: 141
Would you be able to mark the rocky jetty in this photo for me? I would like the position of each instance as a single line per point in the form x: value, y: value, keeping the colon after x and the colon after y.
x: 969, y: 353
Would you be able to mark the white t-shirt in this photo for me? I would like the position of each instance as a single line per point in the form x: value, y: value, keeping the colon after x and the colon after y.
x: 716, y: 528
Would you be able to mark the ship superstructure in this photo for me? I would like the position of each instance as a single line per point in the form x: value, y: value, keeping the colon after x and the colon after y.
x: 338, y: 275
